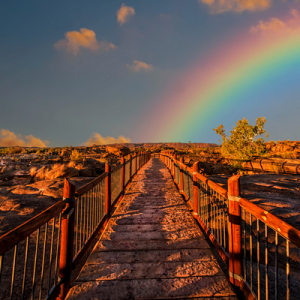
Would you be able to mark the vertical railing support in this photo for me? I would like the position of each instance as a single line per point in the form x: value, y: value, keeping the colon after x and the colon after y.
x: 181, y: 175
x: 195, y: 187
x: 135, y: 158
x: 175, y: 158
x: 107, y: 188
x: 123, y: 177
x: 173, y: 166
x: 234, y: 231
x: 130, y: 166
x: 67, y: 238
x: 141, y: 159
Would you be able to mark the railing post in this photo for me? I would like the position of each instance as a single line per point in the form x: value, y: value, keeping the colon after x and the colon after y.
x: 130, y: 166
x: 173, y: 165
x: 141, y: 159
x: 135, y: 167
x: 234, y: 231
x: 67, y: 238
x: 195, y: 187
x: 107, y: 188
x: 181, y: 175
x: 123, y: 176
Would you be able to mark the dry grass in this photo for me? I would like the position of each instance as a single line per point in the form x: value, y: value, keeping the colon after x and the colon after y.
x: 33, y: 171
x: 75, y: 156
x: 72, y: 164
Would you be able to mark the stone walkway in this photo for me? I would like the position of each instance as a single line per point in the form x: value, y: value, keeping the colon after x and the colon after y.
x: 152, y: 248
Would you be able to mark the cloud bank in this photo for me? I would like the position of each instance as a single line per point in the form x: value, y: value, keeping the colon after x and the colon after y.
x: 276, y: 26
x: 220, y: 6
x: 98, y: 139
x: 74, y: 40
x: 9, y: 138
x: 124, y: 14
x: 139, y: 66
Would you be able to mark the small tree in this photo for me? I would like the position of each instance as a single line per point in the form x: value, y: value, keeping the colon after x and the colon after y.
x: 244, y: 142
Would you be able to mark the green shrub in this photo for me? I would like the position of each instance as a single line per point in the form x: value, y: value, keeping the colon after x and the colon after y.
x: 76, y: 155
x: 244, y: 141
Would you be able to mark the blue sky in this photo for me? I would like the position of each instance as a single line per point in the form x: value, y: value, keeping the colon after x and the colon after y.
x: 64, y: 95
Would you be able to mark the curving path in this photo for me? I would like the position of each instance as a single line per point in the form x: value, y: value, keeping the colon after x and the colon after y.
x: 152, y: 248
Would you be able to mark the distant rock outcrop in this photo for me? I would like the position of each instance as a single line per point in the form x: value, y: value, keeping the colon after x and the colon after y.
x: 118, y: 150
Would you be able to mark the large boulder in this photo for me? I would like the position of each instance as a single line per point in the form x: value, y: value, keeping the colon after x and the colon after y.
x: 118, y: 150
x: 86, y: 171
x: 61, y: 171
x: 221, y: 169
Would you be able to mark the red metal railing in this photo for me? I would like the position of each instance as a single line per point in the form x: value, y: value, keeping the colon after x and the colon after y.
x: 37, y: 257
x: 261, y: 250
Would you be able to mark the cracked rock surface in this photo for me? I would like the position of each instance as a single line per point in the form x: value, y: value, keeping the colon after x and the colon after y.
x: 152, y: 248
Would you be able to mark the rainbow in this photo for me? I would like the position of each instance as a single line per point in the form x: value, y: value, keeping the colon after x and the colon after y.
x: 225, y: 78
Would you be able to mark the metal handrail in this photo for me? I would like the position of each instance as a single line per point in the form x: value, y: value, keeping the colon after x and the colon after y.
x: 233, y: 224
x: 37, y: 257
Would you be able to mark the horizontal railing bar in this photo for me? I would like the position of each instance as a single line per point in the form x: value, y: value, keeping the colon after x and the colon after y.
x: 204, y: 179
x: 84, y: 189
x: 13, y: 237
x: 213, y: 185
x: 283, y: 228
x: 117, y: 168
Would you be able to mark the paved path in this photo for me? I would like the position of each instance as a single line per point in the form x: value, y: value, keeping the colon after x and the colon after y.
x: 152, y: 248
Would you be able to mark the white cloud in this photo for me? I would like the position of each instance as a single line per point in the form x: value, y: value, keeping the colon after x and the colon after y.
x: 139, y: 66
x: 124, y: 14
x: 9, y: 138
x: 84, y: 39
x: 220, y: 6
x: 98, y: 139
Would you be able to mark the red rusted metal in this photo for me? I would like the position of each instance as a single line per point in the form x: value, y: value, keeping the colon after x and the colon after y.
x: 195, y: 187
x: 135, y: 154
x: 67, y: 238
x: 108, y: 188
x: 234, y: 230
x: 130, y: 166
x: 123, y: 176
x: 181, y: 174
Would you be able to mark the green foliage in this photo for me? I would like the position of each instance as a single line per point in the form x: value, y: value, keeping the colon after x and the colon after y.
x: 245, y: 140
x: 76, y: 155
x: 11, y: 150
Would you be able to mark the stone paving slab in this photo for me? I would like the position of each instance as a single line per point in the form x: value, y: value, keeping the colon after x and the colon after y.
x: 152, y: 248
x: 155, y: 256
x: 135, y: 220
x: 107, y: 245
x: 179, y: 288
x: 152, y: 235
x: 150, y: 270
x: 151, y: 227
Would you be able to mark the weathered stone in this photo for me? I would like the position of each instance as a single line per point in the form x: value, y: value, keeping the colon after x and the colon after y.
x: 26, y: 190
x: 87, y: 172
x: 152, y: 248
x: 204, y: 287
x: 154, y: 256
x: 118, y: 150
x: 149, y: 270
x: 62, y: 171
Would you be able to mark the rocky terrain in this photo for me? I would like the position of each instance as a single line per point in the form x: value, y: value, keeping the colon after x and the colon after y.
x: 31, y: 182
x: 32, y: 179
